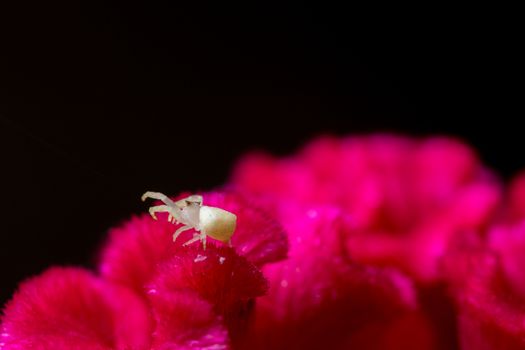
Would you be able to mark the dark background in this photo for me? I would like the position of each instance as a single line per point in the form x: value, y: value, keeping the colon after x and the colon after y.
x: 100, y: 101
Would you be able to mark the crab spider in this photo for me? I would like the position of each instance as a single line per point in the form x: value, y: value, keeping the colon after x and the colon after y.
x: 209, y: 221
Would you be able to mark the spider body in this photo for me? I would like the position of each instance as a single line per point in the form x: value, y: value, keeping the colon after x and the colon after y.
x: 207, y: 221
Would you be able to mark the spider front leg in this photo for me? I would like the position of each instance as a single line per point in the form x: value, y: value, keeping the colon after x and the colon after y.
x: 195, y: 238
x: 160, y: 196
x: 159, y: 209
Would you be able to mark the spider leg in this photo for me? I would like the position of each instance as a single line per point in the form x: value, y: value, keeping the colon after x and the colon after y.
x: 159, y: 208
x: 193, y: 240
x: 203, y: 239
x: 160, y: 196
x: 179, y: 231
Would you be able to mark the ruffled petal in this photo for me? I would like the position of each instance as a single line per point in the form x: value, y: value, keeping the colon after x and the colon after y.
x: 135, y: 249
x: 318, y: 299
x: 69, y: 308
x: 185, y: 321
x: 407, y: 197
x: 262, y: 175
x: 491, y: 313
x: 218, y: 275
x: 509, y: 244
x: 516, y: 200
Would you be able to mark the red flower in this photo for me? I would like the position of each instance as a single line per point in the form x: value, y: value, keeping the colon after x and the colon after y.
x: 340, y: 246
x: 401, y: 200
x: 407, y: 198
x: 320, y: 299
x: 70, y: 308
x: 156, y: 294
x: 152, y: 293
x: 183, y: 320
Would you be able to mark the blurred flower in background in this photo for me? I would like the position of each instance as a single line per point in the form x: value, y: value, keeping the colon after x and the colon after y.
x: 362, y: 242
x: 485, y: 272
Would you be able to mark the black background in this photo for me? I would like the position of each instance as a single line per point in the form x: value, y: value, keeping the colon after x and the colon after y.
x: 100, y: 101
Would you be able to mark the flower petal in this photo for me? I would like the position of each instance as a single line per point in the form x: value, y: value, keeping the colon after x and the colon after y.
x: 491, y: 313
x: 217, y: 274
x: 261, y: 174
x: 407, y: 197
x: 516, y: 210
x: 134, y: 250
x: 509, y: 244
x: 317, y: 298
x: 185, y: 321
x: 69, y: 308
x: 226, y: 280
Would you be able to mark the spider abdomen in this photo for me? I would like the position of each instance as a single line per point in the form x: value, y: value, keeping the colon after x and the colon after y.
x: 217, y: 223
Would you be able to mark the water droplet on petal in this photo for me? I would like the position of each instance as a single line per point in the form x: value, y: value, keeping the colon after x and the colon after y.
x: 200, y: 258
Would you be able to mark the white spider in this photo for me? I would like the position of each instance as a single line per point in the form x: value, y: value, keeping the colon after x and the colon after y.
x: 209, y: 221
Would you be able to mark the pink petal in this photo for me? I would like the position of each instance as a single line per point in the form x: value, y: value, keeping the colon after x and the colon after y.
x: 134, y: 250
x: 407, y: 197
x: 491, y: 314
x: 218, y: 275
x: 419, y: 253
x: 318, y: 299
x: 333, y: 299
x: 442, y: 165
x: 69, y: 308
x: 475, y: 205
x: 257, y: 172
x: 184, y: 321
x: 363, y: 175
x: 509, y: 244
x: 263, y: 175
x: 517, y: 197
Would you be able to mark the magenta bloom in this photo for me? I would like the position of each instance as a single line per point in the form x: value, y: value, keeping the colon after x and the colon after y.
x: 401, y: 202
x: 366, y: 243
x: 156, y: 294
x: 70, y: 308
x: 406, y: 197
x: 319, y: 298
x: 152, y: 293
